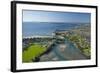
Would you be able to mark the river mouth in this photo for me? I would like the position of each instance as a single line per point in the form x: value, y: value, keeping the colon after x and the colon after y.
x: 63, y: 52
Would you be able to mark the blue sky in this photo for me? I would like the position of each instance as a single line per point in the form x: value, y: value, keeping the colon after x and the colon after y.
x: 51, y: 16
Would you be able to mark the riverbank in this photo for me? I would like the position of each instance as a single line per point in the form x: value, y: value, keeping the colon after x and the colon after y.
x: 81, y: 39
x: 34, y: 50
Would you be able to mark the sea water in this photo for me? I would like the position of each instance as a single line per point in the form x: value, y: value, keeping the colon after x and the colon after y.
x: 44, y: 28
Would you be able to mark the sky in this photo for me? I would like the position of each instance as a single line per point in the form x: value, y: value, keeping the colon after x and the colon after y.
x: 52, y: 16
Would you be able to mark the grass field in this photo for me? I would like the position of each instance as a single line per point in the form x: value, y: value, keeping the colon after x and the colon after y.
x: 32, y: 51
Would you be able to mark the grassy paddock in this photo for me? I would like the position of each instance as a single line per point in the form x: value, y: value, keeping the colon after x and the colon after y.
x: 32, y: 51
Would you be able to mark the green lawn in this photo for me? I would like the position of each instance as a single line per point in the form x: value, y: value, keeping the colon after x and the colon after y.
x: 32, y: 51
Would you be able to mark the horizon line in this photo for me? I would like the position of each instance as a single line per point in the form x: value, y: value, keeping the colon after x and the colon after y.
x: 55, y: 22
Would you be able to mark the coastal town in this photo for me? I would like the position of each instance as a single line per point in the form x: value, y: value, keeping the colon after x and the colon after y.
x: 71, y: 44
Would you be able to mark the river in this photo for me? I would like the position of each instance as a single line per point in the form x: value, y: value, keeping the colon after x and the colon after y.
x: 69, y: 53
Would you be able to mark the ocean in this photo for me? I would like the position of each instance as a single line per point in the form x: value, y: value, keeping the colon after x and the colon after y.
x: 44, y: 28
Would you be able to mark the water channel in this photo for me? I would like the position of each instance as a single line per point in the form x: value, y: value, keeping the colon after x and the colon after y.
x: 71, y: 52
